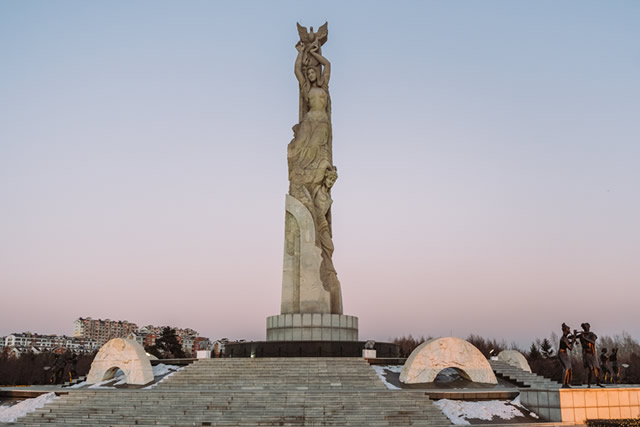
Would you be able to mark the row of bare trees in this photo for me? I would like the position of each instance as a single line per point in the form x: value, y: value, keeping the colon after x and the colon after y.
x: 488, y: 347
x: 48, y: 367
x: 543, y: 358
x: 32, y: 369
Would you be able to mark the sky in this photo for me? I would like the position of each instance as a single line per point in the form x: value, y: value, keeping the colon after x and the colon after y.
x: 487, y: 155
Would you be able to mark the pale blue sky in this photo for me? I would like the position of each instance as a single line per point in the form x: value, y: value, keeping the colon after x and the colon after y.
x: 488, y: 156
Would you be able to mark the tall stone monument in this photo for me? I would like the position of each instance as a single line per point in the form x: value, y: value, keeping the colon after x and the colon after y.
x: 311, y: 307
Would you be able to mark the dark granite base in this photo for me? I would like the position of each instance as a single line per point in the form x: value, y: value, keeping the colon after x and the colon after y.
x: 307, y: 349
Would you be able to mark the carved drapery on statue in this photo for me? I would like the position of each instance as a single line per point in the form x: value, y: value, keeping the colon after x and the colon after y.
x: 311, y: 177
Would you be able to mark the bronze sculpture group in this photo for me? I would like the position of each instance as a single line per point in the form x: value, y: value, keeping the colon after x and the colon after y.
x: 596, y: 369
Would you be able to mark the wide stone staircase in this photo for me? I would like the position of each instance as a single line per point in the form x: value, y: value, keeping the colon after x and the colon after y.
x: 250, y: 392
x: 520, y: 376
x: 276, y: 373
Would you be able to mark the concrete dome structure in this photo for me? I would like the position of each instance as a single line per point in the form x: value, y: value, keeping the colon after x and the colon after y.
x: 126, y: 355
x: 514, y: 358
x: 426, y: 361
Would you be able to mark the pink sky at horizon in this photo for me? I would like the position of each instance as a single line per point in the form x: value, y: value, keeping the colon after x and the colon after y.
x: 487, y: 157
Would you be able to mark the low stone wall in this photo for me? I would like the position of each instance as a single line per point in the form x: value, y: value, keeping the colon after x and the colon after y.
x: 577, y: 405
x: 472, y: 395
x: 312, y: 327
x: 307, y: 349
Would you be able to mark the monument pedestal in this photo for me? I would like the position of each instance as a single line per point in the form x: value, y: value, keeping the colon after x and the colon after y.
x: 312, y: 327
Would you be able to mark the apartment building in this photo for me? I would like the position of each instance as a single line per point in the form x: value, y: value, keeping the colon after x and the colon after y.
x: 57, y: 343
x: 102, y: 330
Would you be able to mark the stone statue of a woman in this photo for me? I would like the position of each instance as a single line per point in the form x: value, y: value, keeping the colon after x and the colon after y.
x: 311, y: 68
x: 309, y: 154
x: 311, y: 307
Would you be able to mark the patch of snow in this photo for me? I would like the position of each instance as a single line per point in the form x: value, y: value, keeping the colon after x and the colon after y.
x: 78, y: 385
x: 453, y: 410
x: 11, y: 413
x: 381, y: 372
x: 8, y: 403
x: 119, y: 379
x: 447, y: 375
x: 459, y: 411
x: 516, y: 402
x: 394, y: 368
x: 162, y: 369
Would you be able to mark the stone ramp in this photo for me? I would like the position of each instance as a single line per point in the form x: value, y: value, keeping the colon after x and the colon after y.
x: 235, y: 408
x: 521, y: 377
x: 304, y: 373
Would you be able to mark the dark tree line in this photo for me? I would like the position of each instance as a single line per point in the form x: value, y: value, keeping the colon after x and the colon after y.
x: 38, y: 369
x: 544, y: 361
x: 47, y: 367
x: 488, y: 347
x: 408, y: 344
x: 167, y: 345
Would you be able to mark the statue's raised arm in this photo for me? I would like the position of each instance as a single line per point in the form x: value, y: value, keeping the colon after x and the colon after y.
x: 297, y: 69
x: 311, y: 68
x: 323, y: 80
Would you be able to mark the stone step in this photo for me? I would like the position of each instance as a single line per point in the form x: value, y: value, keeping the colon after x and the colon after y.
x: 234, y: 392
x: 520, y: 376
x: 115, y: 407
x: 274, y: 373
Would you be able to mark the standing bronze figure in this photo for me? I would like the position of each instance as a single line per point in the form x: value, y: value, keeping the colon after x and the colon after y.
x: 605, y: 372
x: 615, y: 368
x: 564, y: 355
x: 589, y: 357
